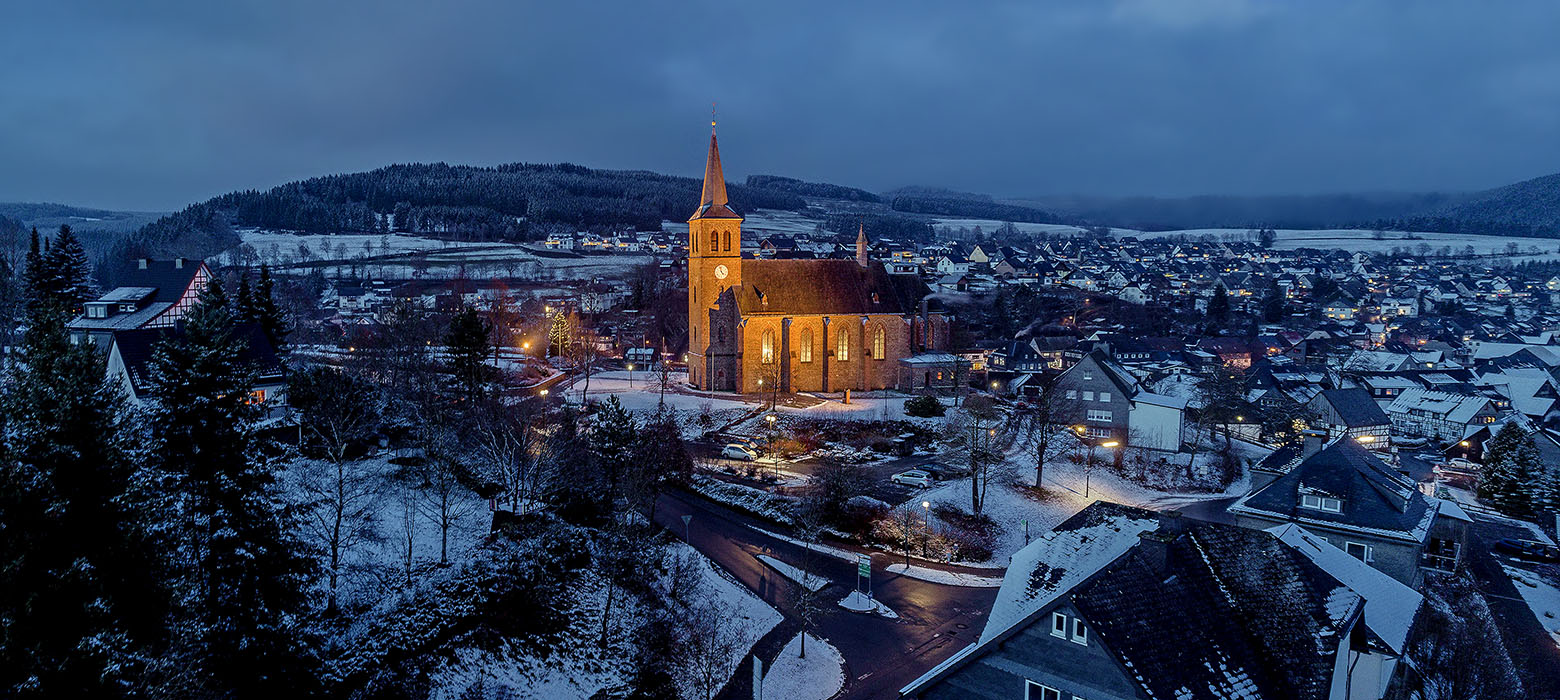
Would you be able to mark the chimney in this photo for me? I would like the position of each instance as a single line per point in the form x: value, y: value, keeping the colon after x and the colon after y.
x: 178, y: 263
x: 1314, y: 441
x: 143, y: 262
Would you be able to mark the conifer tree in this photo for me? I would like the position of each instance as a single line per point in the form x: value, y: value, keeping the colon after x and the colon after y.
x: 247, y: 576
x: 1219, y: 304
x: 244, y: 300
x: 1512, y: 471
x: 467, y: 344
x: 81, y: 605
x: 70, y: 269
x: 270, y: 317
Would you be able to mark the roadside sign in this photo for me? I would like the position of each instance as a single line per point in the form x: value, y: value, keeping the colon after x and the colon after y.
x: 686, y: 520
x: 863, y: 565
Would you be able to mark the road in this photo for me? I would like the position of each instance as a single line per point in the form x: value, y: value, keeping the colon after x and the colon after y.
x: 881, y: 655
x: 1532, y: 650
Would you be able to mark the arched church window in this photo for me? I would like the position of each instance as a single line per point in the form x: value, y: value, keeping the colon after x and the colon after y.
x: 805, y: 352
x: 877, y: 343
x: 714, y: 241
x: 728, y: 242
x: 768, y: 354
x: 842, y: 351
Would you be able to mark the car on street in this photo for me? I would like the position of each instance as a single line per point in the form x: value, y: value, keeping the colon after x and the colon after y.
x: 943, y: 472
x: 913, y: 477
x: 1528, y: 549
x: 736, y: 451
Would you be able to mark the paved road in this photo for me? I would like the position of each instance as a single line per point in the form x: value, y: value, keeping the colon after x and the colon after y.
x: 881, y: 655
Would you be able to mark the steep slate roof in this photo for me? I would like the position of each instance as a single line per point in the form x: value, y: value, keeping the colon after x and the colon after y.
x: 136, y: 348
x: 1250, y: 617
x: 1355, y: 407
x: 812, y: 287
x: 1375, y: 497
x: 712, y: 201
x: 1390, y: 606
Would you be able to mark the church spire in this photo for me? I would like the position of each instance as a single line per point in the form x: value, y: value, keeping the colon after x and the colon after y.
x: 861, y: 245
x: 712, y: 202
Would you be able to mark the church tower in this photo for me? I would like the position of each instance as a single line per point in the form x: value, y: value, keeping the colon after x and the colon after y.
x: 714, y: 261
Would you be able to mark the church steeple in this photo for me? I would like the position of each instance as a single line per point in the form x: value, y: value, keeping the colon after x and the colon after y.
x: 712, y: 202
x: 861, y: 245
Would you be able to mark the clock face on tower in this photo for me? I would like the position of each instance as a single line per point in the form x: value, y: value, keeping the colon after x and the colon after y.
x: 720, y: 272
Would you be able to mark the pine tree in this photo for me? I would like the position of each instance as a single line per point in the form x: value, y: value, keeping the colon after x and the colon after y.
x: 244, y: 300
x: 1219, y: 304
x: 467, y: 345
x: 81, y: 603
x: 70, y: 269
x: 1512, y: 471
x: 248, y: 578
x: 270, y: 317
x: 558, y: 333
x: 36, y: 276
x: 1273, y: 304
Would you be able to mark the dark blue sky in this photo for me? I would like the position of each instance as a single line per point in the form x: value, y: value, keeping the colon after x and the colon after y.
x: 155, y: 105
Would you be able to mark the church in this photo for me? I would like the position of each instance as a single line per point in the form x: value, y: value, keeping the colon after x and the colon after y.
x: 798, y: 325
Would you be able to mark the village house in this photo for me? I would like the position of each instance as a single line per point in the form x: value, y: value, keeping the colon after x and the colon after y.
x: 153, y: 294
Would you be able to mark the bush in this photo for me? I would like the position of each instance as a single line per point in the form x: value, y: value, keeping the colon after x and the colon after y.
x: 924, y: 406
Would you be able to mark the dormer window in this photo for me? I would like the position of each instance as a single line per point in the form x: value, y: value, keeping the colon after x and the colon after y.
x: 1322, y: 503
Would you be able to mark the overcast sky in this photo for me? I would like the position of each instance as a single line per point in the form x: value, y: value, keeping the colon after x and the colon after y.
x: 154, y: 105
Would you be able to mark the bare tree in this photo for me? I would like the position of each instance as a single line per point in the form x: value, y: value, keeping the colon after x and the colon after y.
x: 712, y: 640
x: 1045, y: 416
x: 506, y: 439
x: 444, y: 496
x: 972, y: 436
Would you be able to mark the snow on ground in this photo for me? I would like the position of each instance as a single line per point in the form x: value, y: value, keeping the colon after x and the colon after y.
x: 1541, y: 595
x: 273, y: 246
x: 1067, y: 488
x: 1364, y: 240
x: 836, y: 552
x: 947, y: 578
x: 819, y: 676
x: 858, y: 601
x: 806, y: 579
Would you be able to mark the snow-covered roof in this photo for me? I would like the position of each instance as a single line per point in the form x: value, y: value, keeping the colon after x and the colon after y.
x: 1456, y: 408
x: 1390, y: 606
x: 1057, y: 561
x: 1176, y: 402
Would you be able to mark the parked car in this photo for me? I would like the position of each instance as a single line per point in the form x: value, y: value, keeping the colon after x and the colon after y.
x: 750, y: 444
x: 943, y: 472
x: 1528, y: 549
x: 735, y: 451
x: 913, y: 477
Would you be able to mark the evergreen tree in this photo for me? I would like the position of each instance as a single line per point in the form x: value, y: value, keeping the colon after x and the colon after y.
x: 1273, y: 303
x: 81, y: 606
x: 36, y: 276
x: 467, y: 344
x: 70, y: 270
x: 1219, y: 305
x: 246, y: 576
x: 244, y: 300
x: 270, y: 317
x: 1512, y: 471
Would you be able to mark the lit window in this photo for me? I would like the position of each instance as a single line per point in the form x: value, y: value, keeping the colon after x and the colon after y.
x: 842, y: 349
x: 805, y: 352
x: 877, y: 343
x: 768, y: 353
x: 1058, y: 625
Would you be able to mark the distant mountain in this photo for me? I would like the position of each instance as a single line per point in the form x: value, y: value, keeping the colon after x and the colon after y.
x: 521, y: 201
x: 1527, y: 208
x: 819, y: 190
x: 49, y: 217
x: 1212, y: 211
x: 968, y: 208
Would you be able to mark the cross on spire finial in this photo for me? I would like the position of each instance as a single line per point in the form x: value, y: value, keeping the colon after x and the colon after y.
x: 712, y: 116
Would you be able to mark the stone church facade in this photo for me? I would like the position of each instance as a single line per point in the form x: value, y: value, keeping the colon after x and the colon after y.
x: 795, y: 325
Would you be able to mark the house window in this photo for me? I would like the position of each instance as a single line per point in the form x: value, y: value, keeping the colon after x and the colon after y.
x: 1323, y: 503
x: 1035, y: 691
x: 805, y: 353
x: 1104, y: 397
x: 1088, y: 396
x: 1059, y: 625
x: 842, y: 348
x: 768, y: 353
x: 1103, y: 416
x: 1080, y: 633
x: 877, y: 343
x: 1072, y: 394
x: 1362, y: 552
x: 257, y: 396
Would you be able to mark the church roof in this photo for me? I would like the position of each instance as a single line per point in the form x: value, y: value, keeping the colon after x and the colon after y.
x: 820, y: 287
x: 712, y: 202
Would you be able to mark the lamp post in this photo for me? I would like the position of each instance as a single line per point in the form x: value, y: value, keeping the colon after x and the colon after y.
x: 926, y: 534
x: 630, y: 375
x: 774, y: 455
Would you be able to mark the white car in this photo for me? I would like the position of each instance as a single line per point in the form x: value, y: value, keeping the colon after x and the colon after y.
x: 914, y: 477
x: 735, y: 451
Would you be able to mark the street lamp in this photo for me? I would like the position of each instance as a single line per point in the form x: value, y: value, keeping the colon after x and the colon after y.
x: 630, y: 375
x: 926, y: 506
x: 544, y: 394
x: 774, y: 455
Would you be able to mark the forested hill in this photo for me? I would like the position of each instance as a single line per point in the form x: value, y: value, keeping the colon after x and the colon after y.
x: 1527, y: 208
x: 521, y: 201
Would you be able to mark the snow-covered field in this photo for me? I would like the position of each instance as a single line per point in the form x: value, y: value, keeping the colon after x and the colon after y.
x: 1364, y: 240
x: 817, y: 677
